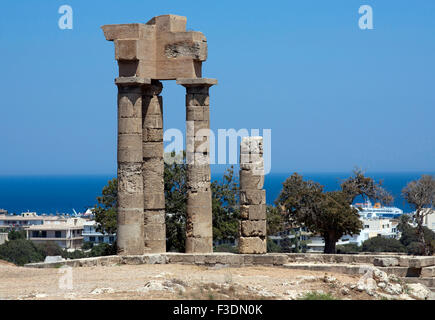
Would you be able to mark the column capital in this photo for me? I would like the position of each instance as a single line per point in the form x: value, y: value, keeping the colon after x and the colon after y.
x: 131, y: 81
x: 196, y: 82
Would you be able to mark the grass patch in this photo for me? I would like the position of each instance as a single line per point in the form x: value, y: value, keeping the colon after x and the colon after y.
x: 313, y: 295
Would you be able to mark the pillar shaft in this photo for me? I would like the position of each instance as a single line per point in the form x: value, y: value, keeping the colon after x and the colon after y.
x: 130, y: 232
x: 153, y: 169
x: 199, y: 230
x: 252, y: 227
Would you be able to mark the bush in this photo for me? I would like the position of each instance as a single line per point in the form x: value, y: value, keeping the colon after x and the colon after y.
x: 76, y: 254
x: 49, y: 249
x: 381, y: 244
x: 272, y: 246
x: 20, y: 252
x: 348, y: 248
x: 87, y: 245
x: 103, y: 249
x: 226, y: 248
x: 415, y: 248
x: 14, y: 235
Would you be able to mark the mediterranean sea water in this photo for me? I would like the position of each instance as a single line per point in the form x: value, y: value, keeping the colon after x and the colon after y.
x: 62, y: 194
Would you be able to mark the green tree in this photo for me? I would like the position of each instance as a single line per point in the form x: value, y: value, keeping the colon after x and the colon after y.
x: 275, y: 220
x: 326, y: 213
x: 105, y: 211
x: 226, y: 213
x: 420, y: 194
x: 175, y: 176
x: 410, y: 239
x: 20, y: 252
x: 382, y: 244
x: 16, y: 234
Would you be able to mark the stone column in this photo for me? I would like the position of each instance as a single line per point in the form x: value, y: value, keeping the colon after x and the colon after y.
x: 130, y: 234
x: 199, y: 230
x: 252, y: 228
x: 153, y: 168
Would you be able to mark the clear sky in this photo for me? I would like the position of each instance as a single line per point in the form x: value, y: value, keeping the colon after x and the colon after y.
x: 334, y: 96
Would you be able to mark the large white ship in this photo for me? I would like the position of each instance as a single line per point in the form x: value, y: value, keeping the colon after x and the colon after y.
x: 368, y: 211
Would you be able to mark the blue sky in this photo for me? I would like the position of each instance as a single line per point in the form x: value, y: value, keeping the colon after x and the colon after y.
x: 334, y: 96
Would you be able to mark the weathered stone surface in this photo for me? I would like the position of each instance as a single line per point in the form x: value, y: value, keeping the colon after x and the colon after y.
x: 386, y: 262
x: 199, y: 245
x: 417, y: 262
x: 248, y: 197
x: 252, y: 245
x: 250, y: 181
x: 161, y: 48
x: 251, y: 145
x: 253, y: 212
x: 428, y: 272
x: 253, y: 228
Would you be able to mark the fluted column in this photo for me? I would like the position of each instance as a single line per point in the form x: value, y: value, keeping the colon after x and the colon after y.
x: 199, y: 229
x: 130, y: 234
x: 153, y: 169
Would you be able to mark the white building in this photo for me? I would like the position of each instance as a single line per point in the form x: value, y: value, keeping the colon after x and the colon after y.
x: 10, y: 221
x: 371, y: 228
x: 67, y: 235
x: 90, y: 234
x: 429, y: 220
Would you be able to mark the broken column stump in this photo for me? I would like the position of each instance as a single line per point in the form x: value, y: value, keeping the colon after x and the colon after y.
x: 252, y: 228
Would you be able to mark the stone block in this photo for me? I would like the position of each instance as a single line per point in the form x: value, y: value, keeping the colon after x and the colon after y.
x: 428, y: 272
x: 130, y: 105
x: 130, y: 200
x: 279, y: 259
x: 252, y: 245
x: 197, y: 113
x: 154, y: 200
x: 129, y: 126
x: 253, y: 212
x: 130, y: 148
x: 154, y: 216
x: 132, y: 259
x: 416, y: 262
x: 386, y: 262
x: 154, y: 232
x: 133, y: 49
x: 155, y: 246
x: 249, y: 197
x: 263, y: 259
x: 153, y: 121
x: 129, y: 215
x: 152, y: 104
x: 234, y: 260
x: 253, y: 228
x: 199, y: 245
x: 153, y: 167
x: 197, y: 99
x: 130, y: 239
x: 152, y: 135
x: 250, y: 181
x: 251, y: 145
x: 152, y: 149
x: 126, y: 31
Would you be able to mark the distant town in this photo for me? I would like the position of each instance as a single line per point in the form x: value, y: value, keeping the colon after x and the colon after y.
x: 72, y: 231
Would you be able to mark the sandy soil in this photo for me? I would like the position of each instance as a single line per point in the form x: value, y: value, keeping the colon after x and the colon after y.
x: 170, y: 282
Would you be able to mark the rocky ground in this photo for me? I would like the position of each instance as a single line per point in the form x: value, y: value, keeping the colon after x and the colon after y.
x: 172, y: 281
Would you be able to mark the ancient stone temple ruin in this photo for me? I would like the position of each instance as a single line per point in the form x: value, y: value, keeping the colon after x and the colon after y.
x: 162, y: 49
x: 252, y: 228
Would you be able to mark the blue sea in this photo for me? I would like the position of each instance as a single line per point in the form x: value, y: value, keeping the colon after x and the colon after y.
x: 62, y: 194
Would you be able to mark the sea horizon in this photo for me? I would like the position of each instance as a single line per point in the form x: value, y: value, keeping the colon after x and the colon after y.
x: 63, y: 193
